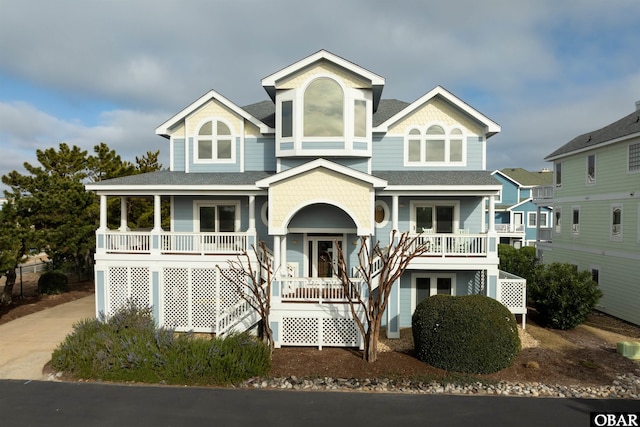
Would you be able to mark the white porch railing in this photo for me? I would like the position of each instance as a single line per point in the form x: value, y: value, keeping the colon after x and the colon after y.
x: 446, y: 244
x: 203, y: 243
x: 140, y: 242
x: 128, y: 242
x: 314, y: 289
x: 512, y: 293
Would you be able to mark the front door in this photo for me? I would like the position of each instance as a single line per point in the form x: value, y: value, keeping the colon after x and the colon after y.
x: 323, y: 254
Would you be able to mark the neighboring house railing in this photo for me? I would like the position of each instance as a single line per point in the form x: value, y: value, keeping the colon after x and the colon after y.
x: 140, y: 242
x: 545, y: 235
x: 542, y: 193
x: 512, y: 293
x: 445, y: 244
x: 509, y: 228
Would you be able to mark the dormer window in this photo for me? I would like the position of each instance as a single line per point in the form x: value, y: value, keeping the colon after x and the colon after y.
x: 323, y: 116
x: 434, y: 146
x: 214, y: 142
x: 324, y: 109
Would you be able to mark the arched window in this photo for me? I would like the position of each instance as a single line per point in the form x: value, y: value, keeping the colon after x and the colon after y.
x: 214, y: 141
x: 324, y: 109
x: 435, y: 145
x: 435, y: 141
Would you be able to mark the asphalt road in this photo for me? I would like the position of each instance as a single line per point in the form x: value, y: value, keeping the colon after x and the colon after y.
x: 41, y: 403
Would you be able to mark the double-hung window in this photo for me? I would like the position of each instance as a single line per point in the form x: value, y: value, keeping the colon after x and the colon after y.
x: 591, y: 169
x: 558, y: 168
x: 575, y: 220
x: 634, y: 157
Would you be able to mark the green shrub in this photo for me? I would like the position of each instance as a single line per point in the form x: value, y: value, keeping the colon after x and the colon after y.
x: 563, y: 296
x: 53, y: 283
x: 128, y: 347
x: 521, y: 262
x: 471, y: 334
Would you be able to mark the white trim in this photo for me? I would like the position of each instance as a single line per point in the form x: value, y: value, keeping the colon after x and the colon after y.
x: 263, y: 213
x: 413, y: 204
x: 629, y: 159
x: 433, y: 285
x: 613, y: 235
x: 163, y: 129
x: 491, y: 128
x: 387, y: 213
x: 322, y: 163
x: 197, y: 204
x: 591, y: 181
x: 424, y: 137
x: 214, y: 141
x: 575, y: 227
x: 306, y: 262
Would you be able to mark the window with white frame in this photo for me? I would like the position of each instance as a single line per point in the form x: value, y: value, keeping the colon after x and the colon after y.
x: 435, y: 216
x: 595, y: 275
x: 634, y: 157
x: 558, y: 219
x: 543, y: 220
x: 381, y: 213
x: 216, y: 216
x: 575, y: 220
x: 286, y: 119
x: 424, y: 285
x: 214, y: 142
x: 591, y: 169
x: 531, y: 219
x: 434, y: 145
x: 616, y: 223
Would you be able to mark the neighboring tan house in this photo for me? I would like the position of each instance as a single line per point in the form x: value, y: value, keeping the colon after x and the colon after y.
x: 320, y: 163
x: 596, y: 204
x: 518, y: 220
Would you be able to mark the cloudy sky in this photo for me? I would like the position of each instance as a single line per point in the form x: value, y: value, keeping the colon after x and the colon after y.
x: 85, y: 72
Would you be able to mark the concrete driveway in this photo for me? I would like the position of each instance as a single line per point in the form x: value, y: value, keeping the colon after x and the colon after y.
x: 26, y: 343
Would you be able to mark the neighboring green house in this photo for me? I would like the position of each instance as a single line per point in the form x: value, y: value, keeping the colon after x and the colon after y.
x: 596, y: 203
x: 519, y: 222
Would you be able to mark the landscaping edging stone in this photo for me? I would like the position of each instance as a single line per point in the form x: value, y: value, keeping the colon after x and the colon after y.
x: 626, y: 386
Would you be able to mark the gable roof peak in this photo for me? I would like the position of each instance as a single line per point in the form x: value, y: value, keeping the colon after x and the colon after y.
x: 377, y: 82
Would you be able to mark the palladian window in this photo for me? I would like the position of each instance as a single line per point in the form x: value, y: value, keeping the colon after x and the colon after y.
x: 324, y: 109
x: 435, y: 145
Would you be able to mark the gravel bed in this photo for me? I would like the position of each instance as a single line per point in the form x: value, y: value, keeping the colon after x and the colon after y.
x: 626, y: 386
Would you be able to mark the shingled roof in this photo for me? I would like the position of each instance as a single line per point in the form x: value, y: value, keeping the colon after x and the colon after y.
x: 265, y: 111
x: 626, y: 126
x: 528, y: 178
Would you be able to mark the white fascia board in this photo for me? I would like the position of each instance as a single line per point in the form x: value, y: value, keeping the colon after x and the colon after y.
x: 439, y: 190
x: 520, y: 203
x: 271, y: 80
x: 491, y: 127
x: 322, y: 163
x: 167, y: 189
x: 163, y: 129
x: 504, y: 175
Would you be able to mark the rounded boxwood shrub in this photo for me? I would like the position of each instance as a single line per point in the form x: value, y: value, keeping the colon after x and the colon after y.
x: 472, y: 334
x: 53, y: 283
x: 563, y: 296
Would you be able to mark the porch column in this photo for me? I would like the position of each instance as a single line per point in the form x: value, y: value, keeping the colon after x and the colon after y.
x: 157, y: 215
x: 103, y: 213
x: 283, y: 257
x: 492, y: 214
x: 252, y: 214
x: 123, y: 214
x: 277, y: 252
x: 394, y: 212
